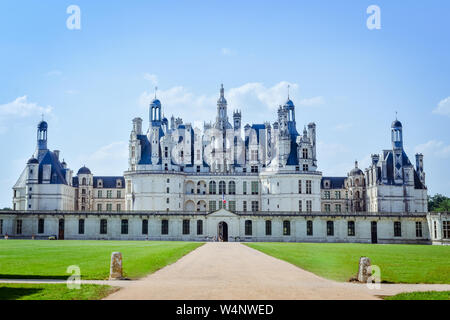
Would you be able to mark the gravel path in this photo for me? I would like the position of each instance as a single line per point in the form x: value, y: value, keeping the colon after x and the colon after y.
x: 218, y: 271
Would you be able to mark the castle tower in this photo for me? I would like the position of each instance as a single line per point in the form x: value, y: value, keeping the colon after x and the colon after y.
x: 222, y: 117
x: 397, y: 149
x: 41, y: 145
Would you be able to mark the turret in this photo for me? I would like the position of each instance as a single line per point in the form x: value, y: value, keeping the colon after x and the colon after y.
x: 41, y: 138
x: 237, y: 120
x: 397, y: 135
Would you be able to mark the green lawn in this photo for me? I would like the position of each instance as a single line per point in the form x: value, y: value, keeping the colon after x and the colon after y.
x: 429, y: 295
x: 36, y: 259
x: 398, y: 263
x: 53, y: 292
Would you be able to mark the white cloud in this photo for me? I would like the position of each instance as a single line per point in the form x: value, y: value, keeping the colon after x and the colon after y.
x: 111, y: 159
x: 54, y: 73
x: 21, y: 107
x: 227, y: 52
x: 72, y: 92
x: 443, y: 107
x: 152, y: 78
x: 315, y: 101
x: 434, y: 148
x: 343, y: 126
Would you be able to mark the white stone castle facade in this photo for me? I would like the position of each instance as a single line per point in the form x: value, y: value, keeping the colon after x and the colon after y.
x: 259, y: 182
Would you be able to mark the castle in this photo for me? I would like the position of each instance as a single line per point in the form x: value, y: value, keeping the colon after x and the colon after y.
x: 265, y: 170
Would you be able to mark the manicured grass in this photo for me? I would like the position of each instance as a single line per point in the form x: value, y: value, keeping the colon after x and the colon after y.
x: 429, y: 295
x: 36, y: 259
x: 53, y: 292
x: 398, y: 263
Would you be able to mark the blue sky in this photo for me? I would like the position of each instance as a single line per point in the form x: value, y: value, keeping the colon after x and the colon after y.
x: 350, y: 80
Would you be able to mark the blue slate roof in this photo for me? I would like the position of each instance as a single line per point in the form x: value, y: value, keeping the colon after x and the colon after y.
x: 109, y: 182
x: 146, y: 154
x: 58, y: 173
x: 335, y: 182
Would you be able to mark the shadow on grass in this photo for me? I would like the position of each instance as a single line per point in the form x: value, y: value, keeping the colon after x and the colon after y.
x: 16, y: 293
x: 30, y: 276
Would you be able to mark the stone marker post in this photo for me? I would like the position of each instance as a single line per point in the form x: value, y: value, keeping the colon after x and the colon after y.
x: 363, y: 275
x: 115, y: 271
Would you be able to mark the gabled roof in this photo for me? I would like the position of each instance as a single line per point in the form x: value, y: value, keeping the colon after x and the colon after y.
x: 58, y: 173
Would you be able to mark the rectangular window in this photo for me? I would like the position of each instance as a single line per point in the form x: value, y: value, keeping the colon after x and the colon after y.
x: 351, y: 228
x: 199, y: 227
x: 435, y: 229
x: 308, y: 186
x: 99, y: 207
x: 81, y: 226
x: 145, y: 226
x: 337, y: 195
x: 338, y: 208
x: 299, y: 186
x: 19, y: 226
x: 128, y: 186
x: 305, y: 167
x: 118, y: 207
x: 397, y: 229
x: 286, y: 228
x: 186, y: 227
x: 255, y: 206
x: 268, y: 228
x: 119, y: 194
x: 109, y: 207
x: 446, y: 229
x: 165, y: 227
x: 244, y: 187
x: 41, y: 226
x: 309, y: 228
x: 99, y: 194
x: 255, y: 187
x: 418, y: 229
x: 327, y: 207
x: 1, y: 226
x: 308, y: 205
x: 330, y: 228
x: 212, y: 206
x: 232, y: 206
x: 109, y: 194
x: 327, y: 195
x: 254, y: 155
x: 254, y: 169
x: 248, y: 228
x: 244, y: 206
x: 103, y: 226
x: 300, y: 206
x: 124, y: 227
x: 305, y: 153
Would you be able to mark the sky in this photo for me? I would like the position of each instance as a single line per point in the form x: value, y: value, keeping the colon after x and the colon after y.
x: 89, y: 83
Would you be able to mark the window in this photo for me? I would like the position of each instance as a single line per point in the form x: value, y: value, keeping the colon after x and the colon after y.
x: 308, y: 206
x: 397, y: 229
x: 327, y: 195
x: 308, y: 187
x: 167, y: 190
x: 338, y: 208
x: 268, y: 228
x: 103, y: 226
x: 305, y: 153
x: 119, y: 194
x: 83, y: 191
x: 198, y: 154
x: 81, y: 226
x: 109, y: 194
x: 254, y: 169
x: 232, y: 187
x: 128, y: 186
x: 212, y: 206
x: 446, y: 229
x: 255, y: 187
x: 199, y: 227
x: 222, y: 187
x: 435, y: 230
x: 118, y: 207
x: 212, y: 187
x: 41, y: 226
x: 99, y: 207
x: 327, y: 207
x: 305, y: 167
x: 19, y: 226
x: 167, y: 200
x: 232, y: 206
x: 255, y: 206
x: 254, y: 155
x: 248, y: 227
x: 418, y: 229
x: 124, y: 227
x: 145, y: 226
x: 309, y: 228
x: 99, y: 194
x: 1, y: 226
x: 351, y: 228
x: 300, y: 206
x: 244, y: 187
x: 300, y: 186
x: 286, y: 228
x: 165, y: 227
x: 244, y: 206
x: 109, y: 207
x: 330, y: 228
x: 186, y: 227
x: 337, y: 195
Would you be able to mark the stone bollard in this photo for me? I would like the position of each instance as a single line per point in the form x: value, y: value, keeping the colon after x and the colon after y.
x: 115, y: 271
x: 363, y: 275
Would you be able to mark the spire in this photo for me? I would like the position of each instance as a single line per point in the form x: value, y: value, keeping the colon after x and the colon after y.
x: 356, y: 164
x: 156, y: 89
x: 222, y: 91
x: 289, y: 87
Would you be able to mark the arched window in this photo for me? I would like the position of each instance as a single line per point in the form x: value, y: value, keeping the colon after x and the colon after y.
x: 222, y: 187
x: 286, y: 228
x: 232, y: 187
x: 248, y: 227
x: 212, y: 187
x: 83, y: 181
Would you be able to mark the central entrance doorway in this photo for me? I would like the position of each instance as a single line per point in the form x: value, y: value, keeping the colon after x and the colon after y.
x: 223, y: 231
x: 61, y: 229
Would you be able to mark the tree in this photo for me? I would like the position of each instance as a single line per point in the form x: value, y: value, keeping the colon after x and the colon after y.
x: 438, y: 202
x: 444, y: 206
x: 6, y: 209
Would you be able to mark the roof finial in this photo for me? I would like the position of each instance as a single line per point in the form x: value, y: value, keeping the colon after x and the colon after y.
x: 156, y: 89
x: 289, y: 87
x: 42, y: 116
x: 222, y: 91
x: 396, y: 115
x: 356, y: 163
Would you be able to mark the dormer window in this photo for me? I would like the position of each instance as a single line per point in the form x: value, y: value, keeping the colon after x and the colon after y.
x: 326, y: 184
x: 100, y: 183
x: 119, y: 183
